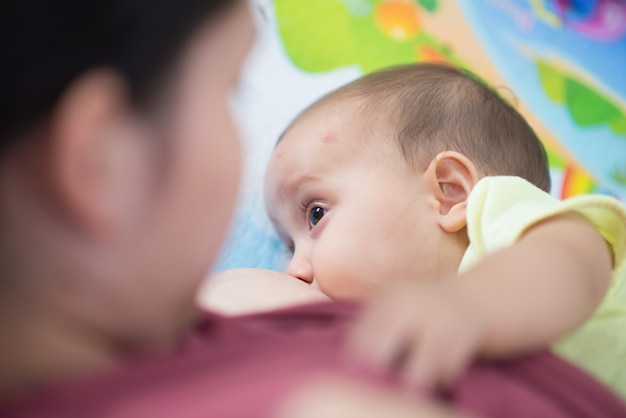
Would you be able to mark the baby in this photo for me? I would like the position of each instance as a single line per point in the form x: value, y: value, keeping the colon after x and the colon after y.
x: 422, y: 185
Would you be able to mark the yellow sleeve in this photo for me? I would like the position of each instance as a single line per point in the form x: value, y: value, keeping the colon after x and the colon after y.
x: 501, y: 208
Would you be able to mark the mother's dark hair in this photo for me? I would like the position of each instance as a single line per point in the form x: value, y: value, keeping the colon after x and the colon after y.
x: 46, y: 44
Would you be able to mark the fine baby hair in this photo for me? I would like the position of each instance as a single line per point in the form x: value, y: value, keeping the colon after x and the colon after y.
x: 431, y: 108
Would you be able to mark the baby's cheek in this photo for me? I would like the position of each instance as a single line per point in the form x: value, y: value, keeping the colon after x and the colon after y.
x: 342, y: 274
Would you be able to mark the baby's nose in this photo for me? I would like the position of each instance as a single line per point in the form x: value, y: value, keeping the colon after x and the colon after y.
x: 300, y: 267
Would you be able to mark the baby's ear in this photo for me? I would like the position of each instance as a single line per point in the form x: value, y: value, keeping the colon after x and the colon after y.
x: 451, y: 176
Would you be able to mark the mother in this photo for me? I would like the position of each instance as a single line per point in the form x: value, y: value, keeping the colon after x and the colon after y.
x: 118, y: 172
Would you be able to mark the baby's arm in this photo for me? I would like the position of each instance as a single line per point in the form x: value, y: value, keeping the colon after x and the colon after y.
x: 542, y: 287
x: 517, y: 300
x: 242, y: 291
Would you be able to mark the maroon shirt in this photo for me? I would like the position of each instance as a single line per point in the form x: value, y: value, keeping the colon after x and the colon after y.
x: 245, y: 366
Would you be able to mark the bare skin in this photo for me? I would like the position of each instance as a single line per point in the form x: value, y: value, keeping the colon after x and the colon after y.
x: 332, y: 397
x: 242, y: 291
x: 111, y: 217
x: 362, y: 223
x: 440, y: 327
x: 105, y: 235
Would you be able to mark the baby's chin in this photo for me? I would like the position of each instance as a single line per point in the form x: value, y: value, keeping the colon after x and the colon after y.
x: 244, y: 291
x: 344, y: 287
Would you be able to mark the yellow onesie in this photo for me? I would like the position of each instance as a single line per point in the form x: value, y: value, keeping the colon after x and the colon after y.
x: 501, y: 208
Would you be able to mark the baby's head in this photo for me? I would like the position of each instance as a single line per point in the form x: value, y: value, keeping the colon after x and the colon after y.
x: 370, y: 183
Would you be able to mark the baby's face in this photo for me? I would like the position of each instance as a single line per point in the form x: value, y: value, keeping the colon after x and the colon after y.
x: 344, y: 200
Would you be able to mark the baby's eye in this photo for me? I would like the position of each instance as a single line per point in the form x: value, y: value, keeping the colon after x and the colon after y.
x: 315, y: 215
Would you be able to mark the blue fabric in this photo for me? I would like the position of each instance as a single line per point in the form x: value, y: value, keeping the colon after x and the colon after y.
x: 251, y: 244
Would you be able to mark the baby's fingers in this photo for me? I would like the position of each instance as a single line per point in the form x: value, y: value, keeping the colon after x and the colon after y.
x: 461, y: 352
x: 437, y: 359
x: 379, y: 338
x: 425, y: 360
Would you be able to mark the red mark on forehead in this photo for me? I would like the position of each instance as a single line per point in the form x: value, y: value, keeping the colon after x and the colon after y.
x: 327, y: 137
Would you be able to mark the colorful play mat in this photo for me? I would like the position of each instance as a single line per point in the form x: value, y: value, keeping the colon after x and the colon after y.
x: 561, y: 62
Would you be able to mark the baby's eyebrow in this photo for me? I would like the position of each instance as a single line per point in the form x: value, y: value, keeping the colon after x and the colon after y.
x: 293, y: 184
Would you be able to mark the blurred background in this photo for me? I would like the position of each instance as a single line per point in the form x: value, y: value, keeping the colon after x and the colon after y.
x: 561, y: 62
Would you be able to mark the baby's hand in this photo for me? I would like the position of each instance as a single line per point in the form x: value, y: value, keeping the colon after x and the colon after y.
x: 430, y: 332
